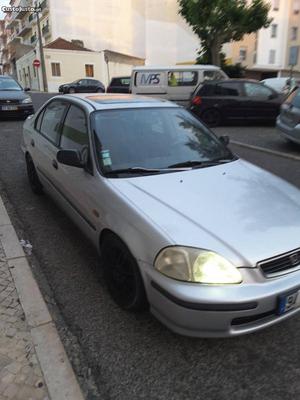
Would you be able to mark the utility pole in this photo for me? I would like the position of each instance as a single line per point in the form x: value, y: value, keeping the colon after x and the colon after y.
x: 45, y: 84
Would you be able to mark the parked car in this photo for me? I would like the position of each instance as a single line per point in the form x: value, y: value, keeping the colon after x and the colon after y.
x: 175, y: 83
x: 288, y: 122
x: 14, y: 101
x: 235, y: 99
x: 283, y: 85
x: 82, y: 86
x: 120, y: 84
x: 209, y: 241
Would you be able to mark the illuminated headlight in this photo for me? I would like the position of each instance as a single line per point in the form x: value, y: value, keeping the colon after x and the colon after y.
x: 27, y: 100
x: 195, y: 265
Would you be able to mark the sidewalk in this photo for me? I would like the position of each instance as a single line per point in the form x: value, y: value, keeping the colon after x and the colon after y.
x: 33, y: 362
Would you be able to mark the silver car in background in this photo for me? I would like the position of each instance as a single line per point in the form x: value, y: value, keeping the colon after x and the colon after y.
x: 288, y: 121
x: 209, y: 242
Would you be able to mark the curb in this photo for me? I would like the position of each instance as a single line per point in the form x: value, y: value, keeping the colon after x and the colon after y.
x: 55, y: 365
x: 265, y: 150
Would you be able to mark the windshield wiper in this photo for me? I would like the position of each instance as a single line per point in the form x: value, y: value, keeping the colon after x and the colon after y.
x: 199, y: 164
x: 142, y: 170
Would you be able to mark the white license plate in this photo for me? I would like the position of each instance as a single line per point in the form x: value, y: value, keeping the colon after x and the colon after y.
x: 288, y: 302
x: 9, y: 108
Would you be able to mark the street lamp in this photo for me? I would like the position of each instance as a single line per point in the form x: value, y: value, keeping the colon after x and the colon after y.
x: 44, y: 75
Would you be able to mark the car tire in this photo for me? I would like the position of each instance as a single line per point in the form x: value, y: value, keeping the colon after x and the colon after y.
x: 33, y: 178
x: 71, y: 90
x: 122, y: 275
x: 211, y: 117
x: 99, y: 90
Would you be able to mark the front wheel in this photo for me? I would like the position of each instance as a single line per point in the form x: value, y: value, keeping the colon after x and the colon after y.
x: 99, y: 90
x: 71, y: 90
x: 33, y: 178
x: 122, y: 275
x: 211, y: 117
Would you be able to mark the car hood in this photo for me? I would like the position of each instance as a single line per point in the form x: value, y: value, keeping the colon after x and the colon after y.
x: 235, y: 209
x: 13, y: 95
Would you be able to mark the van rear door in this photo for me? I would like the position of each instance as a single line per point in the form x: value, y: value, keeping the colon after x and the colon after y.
x: 149, y: 82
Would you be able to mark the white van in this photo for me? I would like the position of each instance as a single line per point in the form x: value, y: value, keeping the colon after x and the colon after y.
x: 175, y: 83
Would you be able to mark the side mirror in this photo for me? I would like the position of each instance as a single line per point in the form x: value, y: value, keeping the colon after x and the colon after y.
x: 273, y: 96
x: 27, y: 89
x: 70, y: 157
x: 224, y: 140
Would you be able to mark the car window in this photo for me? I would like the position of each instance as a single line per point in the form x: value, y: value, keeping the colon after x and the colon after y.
x: 152, y: 138
x: 213, y: 75
x: 296, y: 99
x: 52, y: 119
x: 8, y: 84
x: 92, y: 82
x: 207, y: 90
x: 228, y: 89
x: 38, y: 122
x: 255, y: 90
x: 74, y: 134
x: 83, y: 82
x: 120, y: 82
x: 182, y: 78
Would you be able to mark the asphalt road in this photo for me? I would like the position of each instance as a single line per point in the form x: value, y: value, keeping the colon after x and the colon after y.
x: 133, y: 356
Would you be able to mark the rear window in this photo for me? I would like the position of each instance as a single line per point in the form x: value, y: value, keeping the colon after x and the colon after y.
x: 120, y: 82
x: 221, y: 89
x: 214, y: 75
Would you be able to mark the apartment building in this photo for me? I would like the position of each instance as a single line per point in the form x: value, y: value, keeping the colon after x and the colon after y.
x: 271, y: 52
x: 148, y: 30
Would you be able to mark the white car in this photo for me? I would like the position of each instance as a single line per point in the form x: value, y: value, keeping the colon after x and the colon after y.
x: 210, y: 242
x: 281, y: 85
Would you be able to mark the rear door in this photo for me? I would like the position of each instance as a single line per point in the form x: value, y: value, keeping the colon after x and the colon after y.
x: 181, y: 85
x: 83, y: 86
x: 261, y: 101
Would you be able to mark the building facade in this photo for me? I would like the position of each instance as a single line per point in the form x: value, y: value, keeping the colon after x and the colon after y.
x: 273, y: 51
x: 149, y: 30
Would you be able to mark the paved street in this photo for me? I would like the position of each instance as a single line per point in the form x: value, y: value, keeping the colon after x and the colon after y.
x: 133, y: 356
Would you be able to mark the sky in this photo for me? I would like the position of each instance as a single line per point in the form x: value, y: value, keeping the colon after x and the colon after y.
x: 3, y: 3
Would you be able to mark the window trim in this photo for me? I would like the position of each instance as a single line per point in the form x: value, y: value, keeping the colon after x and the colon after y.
x: 52, y: 63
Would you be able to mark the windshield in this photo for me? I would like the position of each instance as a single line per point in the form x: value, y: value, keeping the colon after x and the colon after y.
x: 153, y: 138
x: 9, y: 84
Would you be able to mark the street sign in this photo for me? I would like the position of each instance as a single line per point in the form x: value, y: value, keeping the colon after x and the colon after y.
x: 36, y: 63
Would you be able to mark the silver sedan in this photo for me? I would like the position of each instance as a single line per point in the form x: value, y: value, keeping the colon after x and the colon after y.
x: 209, y: 242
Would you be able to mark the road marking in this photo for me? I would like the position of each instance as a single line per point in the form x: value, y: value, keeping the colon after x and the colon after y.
x: 268, y: 151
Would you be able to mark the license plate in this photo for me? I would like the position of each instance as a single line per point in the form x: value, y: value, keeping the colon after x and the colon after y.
x: 288, y: 302
x: 9, y: 108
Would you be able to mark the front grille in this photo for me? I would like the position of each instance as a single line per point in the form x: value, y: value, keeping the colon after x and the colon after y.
x: 9, y: 102
x: 281, y: 265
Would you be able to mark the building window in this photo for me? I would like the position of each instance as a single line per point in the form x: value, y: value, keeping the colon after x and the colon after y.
x: 243, y: 54
x: 89, y: 70
x: 274, y: 30
x: 276, y: 4
x: 296, y: 6
x: 254, y: 58
x: 294, y: 33
x: 272, y: 56
x: 55, y: 67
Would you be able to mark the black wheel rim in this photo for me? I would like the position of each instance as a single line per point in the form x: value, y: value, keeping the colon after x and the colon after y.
x: 211, y: 117
x: 31, y: 174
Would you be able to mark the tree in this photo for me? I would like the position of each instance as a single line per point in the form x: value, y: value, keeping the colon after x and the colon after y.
x: 217, y: 22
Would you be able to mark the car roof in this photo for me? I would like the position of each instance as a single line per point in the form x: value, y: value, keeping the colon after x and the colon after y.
x: 100, y: 101
x: 176, y: 67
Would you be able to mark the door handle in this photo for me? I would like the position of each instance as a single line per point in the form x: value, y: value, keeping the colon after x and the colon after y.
x: 54, y: 164
x: 32, y: 143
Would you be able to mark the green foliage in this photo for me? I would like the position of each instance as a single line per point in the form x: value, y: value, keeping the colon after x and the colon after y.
x: 216, y: 22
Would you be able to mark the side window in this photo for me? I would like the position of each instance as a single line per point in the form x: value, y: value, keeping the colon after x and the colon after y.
x: 75, y: 133
x: 254, y: 90
x: 51, y: 123
x: 182, y: 78
x: 228, y: 89
x: 296, y: 99
x: 213, y: 75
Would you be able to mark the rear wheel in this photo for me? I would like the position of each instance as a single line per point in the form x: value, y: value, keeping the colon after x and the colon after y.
x: 211, y: 117
x: 33, y: 178
x: 122, y: 275
x: 71, y: 90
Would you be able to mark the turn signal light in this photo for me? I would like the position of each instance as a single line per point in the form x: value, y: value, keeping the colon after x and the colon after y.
x: 197, y: 100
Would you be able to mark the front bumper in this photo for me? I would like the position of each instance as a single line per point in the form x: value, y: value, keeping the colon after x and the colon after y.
x: 291, y: 133
x: 218, y: 311
x: 23, y: 110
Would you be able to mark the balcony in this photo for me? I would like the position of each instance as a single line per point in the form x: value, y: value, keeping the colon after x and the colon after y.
x: 14, y: 38
x: 46, y: 31
x: 25, y: 28
x: 31, y: 17
x: 20, y: 14
x: 44, y: 7
x: 11, y: 22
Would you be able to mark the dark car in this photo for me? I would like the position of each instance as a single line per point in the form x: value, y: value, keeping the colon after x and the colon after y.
x: 288, y: 122
x: 14, y: 102
x: 83, y: 86
x: 235, y: 99
x: 119, y: 85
